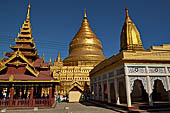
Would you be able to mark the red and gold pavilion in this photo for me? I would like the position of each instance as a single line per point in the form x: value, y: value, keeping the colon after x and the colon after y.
x: 25, y: 79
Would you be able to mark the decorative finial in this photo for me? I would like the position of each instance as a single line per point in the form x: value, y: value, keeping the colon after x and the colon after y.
x: 58, y: 57
x: 50, y: 60
x: 59, y: 54
x: 127, y: 14
x: 28, y: 13
x: 85, y: 15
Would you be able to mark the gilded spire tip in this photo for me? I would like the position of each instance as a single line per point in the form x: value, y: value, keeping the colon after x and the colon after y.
x: 59, y: 53
x: 28, y: 13
x: 85, y: 15
x: 50, y: 60
x: 58, y: 57
x: 29, y: 6
x: 127, y: 14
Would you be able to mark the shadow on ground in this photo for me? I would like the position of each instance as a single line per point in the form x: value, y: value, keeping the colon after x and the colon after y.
x: 103, y: 105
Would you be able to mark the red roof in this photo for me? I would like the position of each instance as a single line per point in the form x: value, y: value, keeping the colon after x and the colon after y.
x: 45, y: 64
x: 38, y: 62
x: 21, y: 73
x: 43, y: 76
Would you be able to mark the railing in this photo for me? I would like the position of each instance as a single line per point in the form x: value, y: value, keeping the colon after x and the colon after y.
x: 42, y: 102
x: 20, y: 102
x: 4, y: 102
x: 27, y: 102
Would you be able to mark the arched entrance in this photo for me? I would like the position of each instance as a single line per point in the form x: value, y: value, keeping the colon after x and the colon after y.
x: 159, y: 93
x: 139, y: 93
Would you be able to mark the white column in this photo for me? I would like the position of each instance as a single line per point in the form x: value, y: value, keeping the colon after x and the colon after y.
x: 116, y: 92
x: 149, y: 90
x: 167, y: 82
x: 128, y: 91
x: 108, y: 91
x: 102, y: 86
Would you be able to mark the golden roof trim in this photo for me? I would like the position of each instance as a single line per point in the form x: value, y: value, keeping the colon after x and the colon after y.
x: 17, y: 54
x: 76, y: 83
x: 32, y: 71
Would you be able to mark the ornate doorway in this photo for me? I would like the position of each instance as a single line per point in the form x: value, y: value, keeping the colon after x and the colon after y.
x: 159, y: 93
x: 139, y: 93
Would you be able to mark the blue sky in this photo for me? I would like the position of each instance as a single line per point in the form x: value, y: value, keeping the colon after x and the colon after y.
x: 55, y: 22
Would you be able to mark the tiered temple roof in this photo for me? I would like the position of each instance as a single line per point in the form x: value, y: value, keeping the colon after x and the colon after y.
x: 24, y: 62
x: 25, y: 41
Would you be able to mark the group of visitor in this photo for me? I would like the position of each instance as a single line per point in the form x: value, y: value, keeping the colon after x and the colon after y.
x: 61, y: 98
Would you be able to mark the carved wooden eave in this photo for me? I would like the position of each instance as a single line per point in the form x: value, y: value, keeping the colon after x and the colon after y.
x: 22, y: 47
x: 24, y: 58
x: 2, y: 67
x: 32, y: 71
x: 17, y: 63
x: 30, y: 81
x: 29, y: 65
x: 25, y: 54
x: 24, y: 36
x: 24, y: 41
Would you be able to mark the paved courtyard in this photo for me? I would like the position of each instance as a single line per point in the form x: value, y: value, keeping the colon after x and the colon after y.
x: 69, y: 108
x: 78, y: 108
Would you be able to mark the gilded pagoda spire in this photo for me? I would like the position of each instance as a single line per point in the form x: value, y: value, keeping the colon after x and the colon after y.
x: 28, y: 13
x: 58, y: 57
x: 83, y: 40
x: 130, y: 36
x: 50, y: 61
x: 127, y: 15
x: 85, y: 15
x: 24, y: 40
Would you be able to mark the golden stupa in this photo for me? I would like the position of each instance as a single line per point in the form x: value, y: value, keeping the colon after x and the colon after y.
x: 85, y: 53
x: 85, y: 46
x: 130, y: 36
